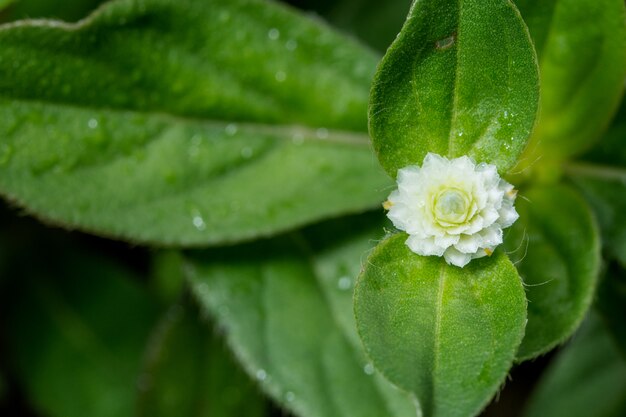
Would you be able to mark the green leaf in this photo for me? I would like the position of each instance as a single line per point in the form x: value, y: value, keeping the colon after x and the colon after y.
x: 288, y: 321
x: 188, y: 372
x: 447, y: 334
x: 185, y: 122
x: 581, y: 45
x: 78, y: 327
x: 611, y: 303
x: 460, y: 79
x: 587, y: 379
x: 605, y: 190
x: 555, y: 246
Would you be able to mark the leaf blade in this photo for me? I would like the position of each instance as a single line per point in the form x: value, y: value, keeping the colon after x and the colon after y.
x: 427, y: 325
x: 289, y: 324
x: 447, y: 86
x: 556, y: 247
x: 104, y: 131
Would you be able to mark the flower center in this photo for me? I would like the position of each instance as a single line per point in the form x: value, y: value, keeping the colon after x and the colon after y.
x: 451, y: 207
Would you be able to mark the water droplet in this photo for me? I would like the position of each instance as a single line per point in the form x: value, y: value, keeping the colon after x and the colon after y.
x: 291, y: 44
x: 280, y: 76
x: 247, y: 152
x: 92, y: 123
x: 273, y: 34
x: 231, y: 129
x: 197, y: 220
x: 368, y: 369
x: 6, y: 152
x: 261, y: 375
x: 297, y: 138
x: 322, y: 133
x: 459, y: 134
x: 344, y: 283
x: 290, y: 396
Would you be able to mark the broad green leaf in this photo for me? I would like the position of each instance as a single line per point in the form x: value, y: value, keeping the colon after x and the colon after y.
x: 78, y: 328
x: 447, y: 334
x: 188, y: 372
x: 587, y: 379
x: 581, y: 46
x: 611, y: 303
x: 289, y: 325
x: 556, y: 247
x: 460, y: 79
x: 605, y: 190
x: 188, y: 122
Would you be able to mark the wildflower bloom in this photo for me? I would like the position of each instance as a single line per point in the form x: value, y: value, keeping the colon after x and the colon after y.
x: 452, y: 208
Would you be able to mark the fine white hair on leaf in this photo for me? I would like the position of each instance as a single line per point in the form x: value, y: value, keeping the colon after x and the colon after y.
x: 453, y: 208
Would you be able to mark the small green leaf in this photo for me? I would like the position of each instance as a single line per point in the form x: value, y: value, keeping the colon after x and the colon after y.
x: 587, y: 379
x: 78, y: 328
x: 581, y: 45
x: 447, y: 334
x: 289, y: 323
x: 555, y: 246
x: 460, y: 79
x: 188, y: 122
x: 188, y: 372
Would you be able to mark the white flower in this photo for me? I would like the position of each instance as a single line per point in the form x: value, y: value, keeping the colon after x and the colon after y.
x: 452, y: 208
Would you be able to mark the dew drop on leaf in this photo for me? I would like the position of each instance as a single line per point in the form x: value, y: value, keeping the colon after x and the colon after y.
x: 261, y: 375
x: 344, y: 283
x: 291, y: 44
x: 273, y: 34
x: 231, y: 129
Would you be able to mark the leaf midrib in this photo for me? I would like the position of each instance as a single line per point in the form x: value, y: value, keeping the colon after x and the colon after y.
x: 280, y: 131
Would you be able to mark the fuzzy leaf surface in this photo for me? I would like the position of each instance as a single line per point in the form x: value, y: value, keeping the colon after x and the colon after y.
x: 185, y: 123
x: 460, y: 79
x: 555, y: 245
x: 447, y: 334
x: 287, y: 317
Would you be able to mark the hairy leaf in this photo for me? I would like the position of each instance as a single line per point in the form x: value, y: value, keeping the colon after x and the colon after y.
x: 556, y: 247
x: 287, y: 324
x: 447, y: 334
x: 587, y: 379
x: 460, y: 79
x: 581, y: 45
x: 188, y: 123
x: 188, y: 372
x: 78, y: 327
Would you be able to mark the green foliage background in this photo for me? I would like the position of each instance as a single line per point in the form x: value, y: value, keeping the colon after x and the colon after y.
x: 207, y: 197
